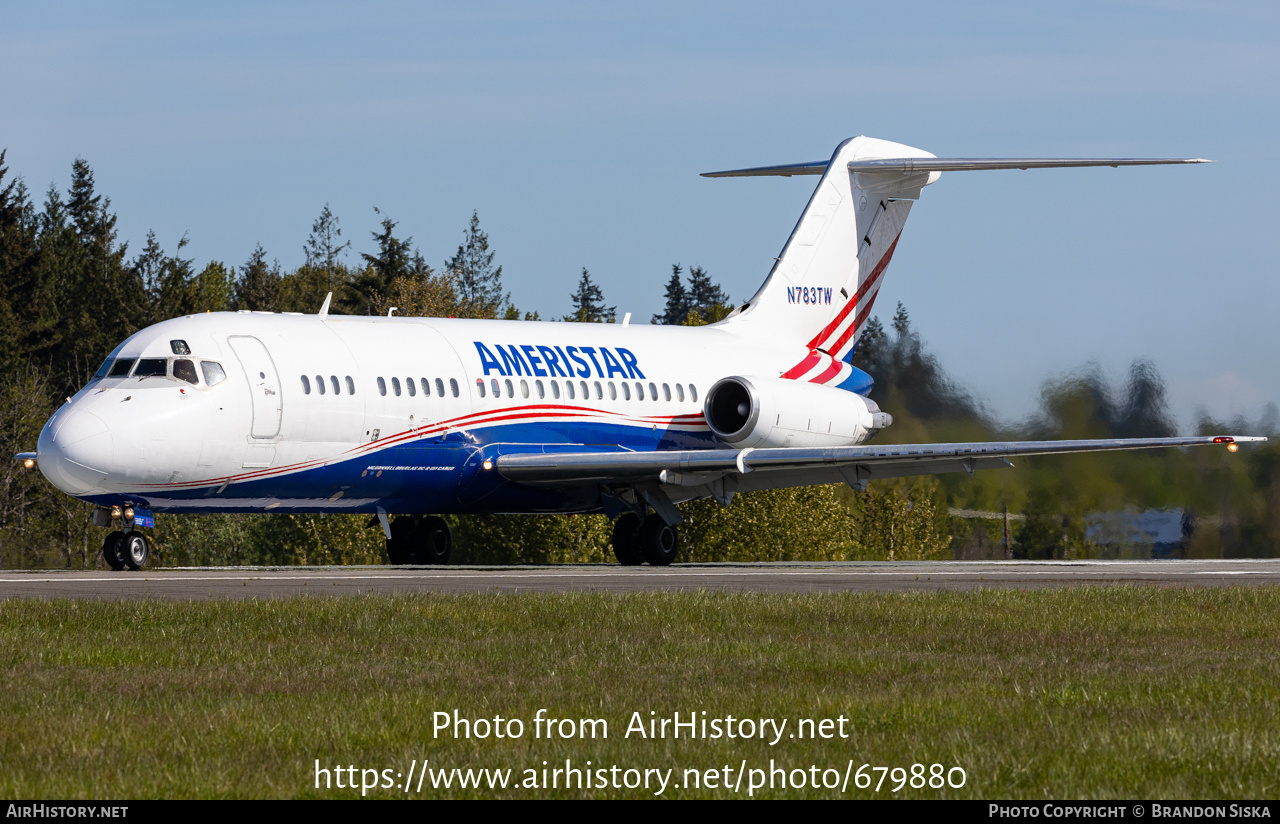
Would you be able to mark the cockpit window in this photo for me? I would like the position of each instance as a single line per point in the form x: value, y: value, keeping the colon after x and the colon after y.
x: 179, y: 347
x: 152, y: 368
x: 213, y: 373
x: 103, y: 369
x: 185, y: 370
x: 121, y: 367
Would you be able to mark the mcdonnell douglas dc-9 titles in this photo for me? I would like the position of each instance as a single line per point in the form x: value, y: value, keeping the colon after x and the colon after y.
x: 406, y: 419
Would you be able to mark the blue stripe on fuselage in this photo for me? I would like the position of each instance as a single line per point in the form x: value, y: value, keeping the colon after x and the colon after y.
x: 427, y: 475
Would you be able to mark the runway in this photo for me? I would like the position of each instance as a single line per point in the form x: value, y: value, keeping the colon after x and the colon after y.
x: 277, y: 582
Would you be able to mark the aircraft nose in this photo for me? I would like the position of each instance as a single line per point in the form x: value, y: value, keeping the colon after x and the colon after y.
x: 76, y: 452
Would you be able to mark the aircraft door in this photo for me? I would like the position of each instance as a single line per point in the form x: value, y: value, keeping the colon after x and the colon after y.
x: 264, y: 384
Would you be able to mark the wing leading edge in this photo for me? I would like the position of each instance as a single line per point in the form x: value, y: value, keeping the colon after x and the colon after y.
x: 750, y: 469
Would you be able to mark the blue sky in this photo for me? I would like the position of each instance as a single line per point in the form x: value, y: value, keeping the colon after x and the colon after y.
x: 578, y: 131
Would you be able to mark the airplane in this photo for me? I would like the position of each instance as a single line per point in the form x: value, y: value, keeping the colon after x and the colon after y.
x: 406, y: 419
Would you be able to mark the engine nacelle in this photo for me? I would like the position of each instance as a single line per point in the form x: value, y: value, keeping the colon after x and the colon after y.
x: 761, y: 412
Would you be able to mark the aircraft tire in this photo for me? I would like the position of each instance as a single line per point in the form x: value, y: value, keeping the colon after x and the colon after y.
x: 626, y: 540
x: 400, y: 544
x: 659, y: 541
x: 135, y: 549
x: 111, y: 550
x: 432, y: 541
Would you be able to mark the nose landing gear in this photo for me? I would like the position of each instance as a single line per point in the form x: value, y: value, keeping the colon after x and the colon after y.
x: 126, y: 549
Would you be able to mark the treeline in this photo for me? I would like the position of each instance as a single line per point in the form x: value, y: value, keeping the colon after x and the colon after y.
x: 70, y: 291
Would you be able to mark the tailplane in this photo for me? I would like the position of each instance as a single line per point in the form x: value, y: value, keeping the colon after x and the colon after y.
x: 823, y: 285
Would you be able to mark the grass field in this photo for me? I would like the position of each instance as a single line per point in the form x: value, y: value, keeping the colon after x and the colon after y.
x: 1085, y: 692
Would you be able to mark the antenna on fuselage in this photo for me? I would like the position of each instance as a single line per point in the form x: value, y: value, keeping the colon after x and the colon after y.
x: 324, y: 309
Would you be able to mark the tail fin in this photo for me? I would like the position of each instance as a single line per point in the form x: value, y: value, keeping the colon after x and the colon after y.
x: 821, y: 289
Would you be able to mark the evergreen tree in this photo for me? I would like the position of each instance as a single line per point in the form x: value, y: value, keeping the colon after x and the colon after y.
x: 324, y: 247
x: 588, y: 302
x: 24, y: 302
x: 258, y: 287
x: 705, y: 296
x: 394, y: 259
x: 477, y: 281
x: 677, y: 306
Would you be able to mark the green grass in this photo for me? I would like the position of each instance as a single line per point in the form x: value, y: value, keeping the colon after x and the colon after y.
x: 1084, y: 692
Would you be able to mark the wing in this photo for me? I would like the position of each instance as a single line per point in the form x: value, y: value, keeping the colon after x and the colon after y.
x: 719, y: 473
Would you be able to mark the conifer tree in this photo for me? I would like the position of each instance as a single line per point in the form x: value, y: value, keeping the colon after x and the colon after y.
x: 677, y: 306
x: 588, y: 302
x: 477, y: 281
x: 324, y: 246
x: 258, y: 287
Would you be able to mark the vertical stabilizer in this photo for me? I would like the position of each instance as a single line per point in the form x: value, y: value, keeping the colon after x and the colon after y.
x: 823, y: 285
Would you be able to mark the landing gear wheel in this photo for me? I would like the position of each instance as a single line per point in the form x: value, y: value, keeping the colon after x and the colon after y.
x: 626, y: 540
x: 658, y: 541
x: 135, y: 549
x: 400, y: 544
x: 111, y: 550
x: 432, y: 541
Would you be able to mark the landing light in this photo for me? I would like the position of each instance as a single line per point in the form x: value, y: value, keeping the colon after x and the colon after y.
x: 115, y: 512
x: 128, y: 513
x: 1233, y: 446
x: 488, y: 465
x: 29, y: 463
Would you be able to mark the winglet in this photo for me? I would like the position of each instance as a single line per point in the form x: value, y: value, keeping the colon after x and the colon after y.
x: 324, y: 309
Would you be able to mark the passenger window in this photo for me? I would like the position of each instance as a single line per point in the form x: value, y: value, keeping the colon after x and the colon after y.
x: 599, y: 391
x: 306, y: 385
x: 440, y: 387
x: 351, y: 386
x: 213, y: 373
x: 541, y: 393
x: 185, y: 370
x: 480, y: 387
x: 179, y: 347
x: 613, y: 391
x: 639, y: 391
x: 693, y: 393
x: 497, y: 391
x: 666, y: 392
x: 152, y: 368
x: 524, y: 389
x: 382, y: 386
x: 413, y: 387
x: 555, y: 389
x: 453, y: 384
x: 320, y: 384
x: 333, y: 381
x: 511, y: 390
x: 121, y: 368
x: 653, y: 392
x: 626, y: 390
x: 426, y: 387
x: 395, y: 386
x: 680, y: 392
x: 568, y: 385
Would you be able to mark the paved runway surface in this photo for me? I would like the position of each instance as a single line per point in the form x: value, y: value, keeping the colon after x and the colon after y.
x: 272, y: 582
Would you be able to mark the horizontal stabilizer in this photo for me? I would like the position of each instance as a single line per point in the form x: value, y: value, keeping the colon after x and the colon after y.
x: 915, y: 165
x: 817, y: 167
x: 974, y: 164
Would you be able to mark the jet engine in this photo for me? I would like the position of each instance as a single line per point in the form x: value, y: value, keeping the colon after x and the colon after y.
x: 772, y: 412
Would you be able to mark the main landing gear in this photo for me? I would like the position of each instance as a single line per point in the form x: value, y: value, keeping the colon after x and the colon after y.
x: 424, y: 540
x: 637, y: 540
x: 126, y: 549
